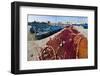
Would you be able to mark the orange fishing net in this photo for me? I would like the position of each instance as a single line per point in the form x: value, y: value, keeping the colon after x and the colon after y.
x: 68, y: 44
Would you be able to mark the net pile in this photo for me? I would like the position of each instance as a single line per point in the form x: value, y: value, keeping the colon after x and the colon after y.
x: 68, y: 44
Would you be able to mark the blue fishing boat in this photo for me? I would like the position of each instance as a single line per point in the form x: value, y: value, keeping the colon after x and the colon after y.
x: 43, y: 30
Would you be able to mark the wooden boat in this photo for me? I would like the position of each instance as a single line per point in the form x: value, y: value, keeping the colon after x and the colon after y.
x: 43, y: 30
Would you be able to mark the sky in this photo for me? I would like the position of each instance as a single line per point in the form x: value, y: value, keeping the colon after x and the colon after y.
x: 55, y: 19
